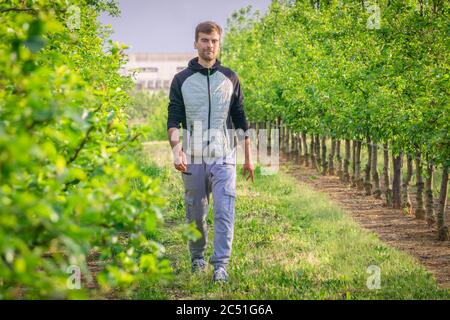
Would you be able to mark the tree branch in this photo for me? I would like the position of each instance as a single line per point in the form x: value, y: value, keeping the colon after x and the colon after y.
x: 125, y: 145
x: 18, y: 10
x: 81, y: 145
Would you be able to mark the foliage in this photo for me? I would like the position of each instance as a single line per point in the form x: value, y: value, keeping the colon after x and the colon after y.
x: 151, y: 109
x: 68, y: 188
x: 328, y: 68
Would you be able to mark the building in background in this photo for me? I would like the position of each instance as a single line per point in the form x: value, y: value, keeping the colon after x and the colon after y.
x: 155, y: 71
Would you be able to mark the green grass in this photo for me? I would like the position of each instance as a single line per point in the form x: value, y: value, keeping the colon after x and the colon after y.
x: 290, y: 243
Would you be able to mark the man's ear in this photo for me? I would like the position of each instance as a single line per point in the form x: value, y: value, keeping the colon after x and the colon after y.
x: 195, y: 45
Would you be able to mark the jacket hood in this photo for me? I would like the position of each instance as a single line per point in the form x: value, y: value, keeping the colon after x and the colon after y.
x: 197, y: 67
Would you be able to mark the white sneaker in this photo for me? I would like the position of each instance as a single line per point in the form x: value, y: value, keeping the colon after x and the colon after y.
x: 198, y: 265
x: 220, y: 275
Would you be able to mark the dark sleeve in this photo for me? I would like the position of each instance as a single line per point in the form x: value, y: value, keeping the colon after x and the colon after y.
x: 237, y: 108
x: 176, y: 111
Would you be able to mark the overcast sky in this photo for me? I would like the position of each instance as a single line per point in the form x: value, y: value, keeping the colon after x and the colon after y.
x: 169, y: 25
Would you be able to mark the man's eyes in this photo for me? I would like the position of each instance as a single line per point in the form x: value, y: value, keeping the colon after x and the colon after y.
x: 213, y: 41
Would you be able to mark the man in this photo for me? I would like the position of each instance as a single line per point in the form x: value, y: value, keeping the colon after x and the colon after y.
x: 206, y: 98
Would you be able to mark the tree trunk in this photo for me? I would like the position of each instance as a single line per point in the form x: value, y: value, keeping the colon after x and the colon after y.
x: 293, y: 147
x: 331, y: 157
x: 396, y: 183
x: 346, y: 175
x: 429, y: 203
x: 420, y: 209
x: 353, y: 177
x: 386, y: 179
x: 367, y: 169
x: 257, y: 125
x: 317, y: 153
x: 286, y: 140
x: 305, y: 149
x: 262, y: 126
x: 406, y: 200
x: 358, y: 178
x: 442, y: 227
x: 317, y: 149
x: 375, y: 175
x: 278, y: 127
x: 313, y: 151
x: 324, y: 156
x: 294, y: 144
x: 339, y: 159
x: 289, y: 140
x: 281, y: 136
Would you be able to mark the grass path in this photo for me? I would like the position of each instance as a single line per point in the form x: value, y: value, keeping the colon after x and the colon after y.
x: 290, y: 242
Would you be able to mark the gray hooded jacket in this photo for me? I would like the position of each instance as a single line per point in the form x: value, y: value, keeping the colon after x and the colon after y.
x: 208, y: 103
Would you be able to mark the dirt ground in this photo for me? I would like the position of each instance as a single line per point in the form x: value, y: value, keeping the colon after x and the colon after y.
x: 401, y: 231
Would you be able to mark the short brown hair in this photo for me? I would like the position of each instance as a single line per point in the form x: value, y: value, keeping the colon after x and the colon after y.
x: 207, y: 27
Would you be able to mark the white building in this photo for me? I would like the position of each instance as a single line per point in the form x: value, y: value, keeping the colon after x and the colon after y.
x: 155, y: 71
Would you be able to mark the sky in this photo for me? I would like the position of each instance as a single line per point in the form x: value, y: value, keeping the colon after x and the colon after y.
x: 163, y: 26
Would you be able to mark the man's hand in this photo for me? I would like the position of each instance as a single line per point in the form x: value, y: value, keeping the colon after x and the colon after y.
x: 180, y: 161
x: 179, y: 157
x: 248, y: 166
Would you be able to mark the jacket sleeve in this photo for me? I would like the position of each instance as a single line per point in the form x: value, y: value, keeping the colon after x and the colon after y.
x: 176, y: 111
x: 237, y: 108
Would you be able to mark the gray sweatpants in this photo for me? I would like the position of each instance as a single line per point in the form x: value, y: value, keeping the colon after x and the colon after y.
x: 220, y: 179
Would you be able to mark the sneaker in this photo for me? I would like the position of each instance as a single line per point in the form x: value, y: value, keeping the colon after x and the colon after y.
x: 220, y: 275
x: 198, y: 265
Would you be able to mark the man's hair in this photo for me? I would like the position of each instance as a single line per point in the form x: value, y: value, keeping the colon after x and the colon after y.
x: 207, y: 27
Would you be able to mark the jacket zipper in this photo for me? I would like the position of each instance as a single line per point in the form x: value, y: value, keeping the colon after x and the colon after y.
x: 209, y: 106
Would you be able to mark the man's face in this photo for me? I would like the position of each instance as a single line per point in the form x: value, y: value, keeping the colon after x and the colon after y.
x: 208, y: 45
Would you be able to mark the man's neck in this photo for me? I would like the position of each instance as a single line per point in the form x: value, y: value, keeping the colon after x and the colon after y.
x: 206, y: 64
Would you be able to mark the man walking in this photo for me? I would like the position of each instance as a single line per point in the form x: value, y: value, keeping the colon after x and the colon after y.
x: 206, y: 98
